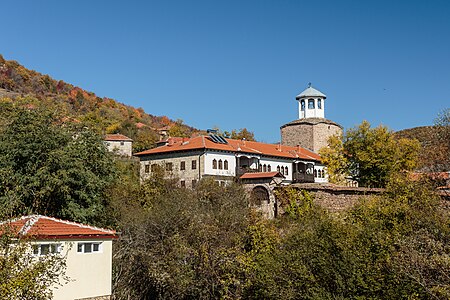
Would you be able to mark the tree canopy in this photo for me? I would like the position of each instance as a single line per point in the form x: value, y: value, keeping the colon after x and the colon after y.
x: 368, y: 155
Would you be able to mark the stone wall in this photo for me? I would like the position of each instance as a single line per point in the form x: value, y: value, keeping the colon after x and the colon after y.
x: 97, y: 298
x: 321, y: 133
x: 301, y: 134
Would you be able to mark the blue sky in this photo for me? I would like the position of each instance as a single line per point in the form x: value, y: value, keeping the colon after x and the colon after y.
x: 235, y: 64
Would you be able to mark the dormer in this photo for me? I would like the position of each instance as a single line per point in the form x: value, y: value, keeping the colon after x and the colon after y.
x: 311, y: 103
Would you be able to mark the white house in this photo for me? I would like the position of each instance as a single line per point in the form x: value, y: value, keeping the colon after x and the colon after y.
x: 88, y: 252
x: 190, y: 159
x: 119, y: 143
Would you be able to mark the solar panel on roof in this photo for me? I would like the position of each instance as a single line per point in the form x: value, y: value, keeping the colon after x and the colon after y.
x: 222, y: 139
x: 214, y: 138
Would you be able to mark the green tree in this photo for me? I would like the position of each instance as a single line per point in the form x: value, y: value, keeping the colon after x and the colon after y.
x: 25, y: 277
x: 369, y: 155
x: 49, y: 169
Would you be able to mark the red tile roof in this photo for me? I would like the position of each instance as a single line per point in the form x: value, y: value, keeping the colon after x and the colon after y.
x: 256, y: 175
x: 117, y: 137
x: 43, y: 227
x: 204, y: 142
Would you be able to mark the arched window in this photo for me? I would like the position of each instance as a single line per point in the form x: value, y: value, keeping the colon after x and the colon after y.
x: 310, y: 103
x: 278, y: 168
x: 220, y: 164
x: 214, y: 164
x: 225, y: 164
x: 319, y: 103
x: 315, y: 173
x: 264, y: 168
x: 323, y: 173
x: 269, y: 168
x: 302, y: 105
x: 286, y: 171
x: 282, y: 170
x: 260, y: 168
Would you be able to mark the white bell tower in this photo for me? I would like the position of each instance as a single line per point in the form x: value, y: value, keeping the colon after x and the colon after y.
x: 311, y: 103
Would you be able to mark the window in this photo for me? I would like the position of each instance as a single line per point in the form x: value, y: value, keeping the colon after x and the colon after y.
x: 319, y: 103
x: 183, y: 183
x: 264, y: 168
x: 122, y: 143
x: 194, y: 182
x: 182, y: 166
x: 194, y: 164
x: 286, y: 171
x: 169, y: 166
x: 278, y: 168
x: 225, y: 164
x: 153, y: 167
x: 44, y: 249
x: 310, y: 103
x: 147, y: 169
x: 269, y: 168
x: 260, y: 168
x: 88, y: 247
x: 323, y: 173
x: 282, y: 170
x: 315, y: 173
x: 302, y: 105
x: 220, y: 164
x: 214, y: 164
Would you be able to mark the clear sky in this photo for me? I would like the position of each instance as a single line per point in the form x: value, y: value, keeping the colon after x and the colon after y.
x: 235, y: 64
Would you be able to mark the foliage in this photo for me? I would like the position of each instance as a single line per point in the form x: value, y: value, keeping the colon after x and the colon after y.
x: 240, y: 134
x: 49, y: 169
x: 369, y: 155
x: 25, y: 277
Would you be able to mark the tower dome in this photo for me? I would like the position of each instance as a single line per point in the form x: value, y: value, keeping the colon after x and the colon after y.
x: 311, y: 103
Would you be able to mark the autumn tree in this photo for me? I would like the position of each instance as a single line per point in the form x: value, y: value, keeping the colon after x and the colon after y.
x: 369, y: 155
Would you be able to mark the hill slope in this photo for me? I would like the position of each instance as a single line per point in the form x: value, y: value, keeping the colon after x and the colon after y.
x: 104, y: 114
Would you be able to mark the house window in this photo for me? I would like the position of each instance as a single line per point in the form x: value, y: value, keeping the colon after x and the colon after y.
x: 220, y: 164
x: 147, y: 169
x: 122, y: 143
x: 282, y: 170
x: 194, y: 164
x: 214, y: 164
x: 182, y: 166
x: 310, y: 103
x: 315, y: 173
x: 169, y: 166
x: 264, y: 168
x: 286, y: 171
x: 278, y: 168
x: 319, y: 103
x: 194, y: 182
x: 302, y: 105
x: 323, y: 173
x: 88, y: 247
x: 225, y: 164
x: 269, y: 168
x: 153, y: 167
x: 44, y: 249
x: 260, y: 168
x: 183, y: 183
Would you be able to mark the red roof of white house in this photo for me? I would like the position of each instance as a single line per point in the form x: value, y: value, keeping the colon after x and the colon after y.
x: 117, y: 137
x: 236, y: 146
x: 42, y: 227
x: 258, y: 175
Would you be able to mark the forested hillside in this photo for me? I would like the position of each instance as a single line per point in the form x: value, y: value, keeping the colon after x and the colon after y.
x: 105, y: 115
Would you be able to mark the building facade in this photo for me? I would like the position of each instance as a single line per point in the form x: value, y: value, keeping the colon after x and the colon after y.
x: 191, y: 159
x: 87, y: 251
x: 119, y: 144
x: 311, y: 130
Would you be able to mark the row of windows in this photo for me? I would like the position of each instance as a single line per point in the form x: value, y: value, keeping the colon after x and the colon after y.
x: 319, y: 173
x: 268, y: 168
x: 169, y: 166
x: 53, y: 248
x: 311, y: 104
x: 220, y: 164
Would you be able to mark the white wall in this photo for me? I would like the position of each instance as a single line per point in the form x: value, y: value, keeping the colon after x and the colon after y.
x: 230, y: 157
x: 90, y: 273
x: 318, y: 168
x: 116, y: 146
x: 278, y: 162
x: 311, y: 113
